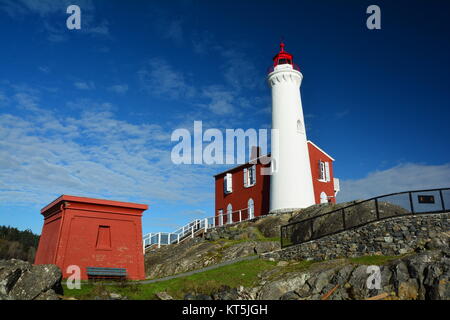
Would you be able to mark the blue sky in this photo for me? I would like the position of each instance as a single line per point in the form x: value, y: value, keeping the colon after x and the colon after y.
x: 90, y: 112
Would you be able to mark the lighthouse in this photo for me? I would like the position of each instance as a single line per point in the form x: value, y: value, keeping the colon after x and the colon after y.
x: 291, y: 185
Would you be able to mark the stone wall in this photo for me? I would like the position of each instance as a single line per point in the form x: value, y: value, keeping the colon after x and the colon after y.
x: 393, y: 236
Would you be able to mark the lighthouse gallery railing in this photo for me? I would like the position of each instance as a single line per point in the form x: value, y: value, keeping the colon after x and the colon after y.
x: 365, y: 212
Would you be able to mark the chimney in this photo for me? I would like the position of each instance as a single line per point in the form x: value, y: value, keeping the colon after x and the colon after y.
x: 255, y: 154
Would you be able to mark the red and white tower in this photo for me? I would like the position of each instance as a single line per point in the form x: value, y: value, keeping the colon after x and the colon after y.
x: 291, y: 184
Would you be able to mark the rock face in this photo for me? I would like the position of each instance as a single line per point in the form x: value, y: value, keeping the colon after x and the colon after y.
x: 19, y: 280
x: 393, y: 236
x: 197, y: 253
x: 217, y: 245
x: 421, y: 276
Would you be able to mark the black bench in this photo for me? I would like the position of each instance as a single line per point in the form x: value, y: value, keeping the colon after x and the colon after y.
x: 106, y: 273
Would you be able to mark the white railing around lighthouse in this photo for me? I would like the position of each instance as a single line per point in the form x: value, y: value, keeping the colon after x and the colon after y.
x: 196, y: 226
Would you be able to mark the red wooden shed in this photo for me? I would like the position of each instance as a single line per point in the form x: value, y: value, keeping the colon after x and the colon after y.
x: 92, y: 233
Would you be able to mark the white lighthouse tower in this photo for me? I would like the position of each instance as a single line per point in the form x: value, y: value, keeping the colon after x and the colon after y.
x: 291, y: 184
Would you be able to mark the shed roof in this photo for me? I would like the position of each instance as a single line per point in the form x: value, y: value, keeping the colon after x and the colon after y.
x: 94, y: 201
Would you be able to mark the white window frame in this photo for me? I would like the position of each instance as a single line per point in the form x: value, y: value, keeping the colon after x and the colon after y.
x: 245, y: 178
x: 324, y: 171
x: 250, y: 173
x: 327, y: 172
x: 321, y: 170
x: 228, y: 183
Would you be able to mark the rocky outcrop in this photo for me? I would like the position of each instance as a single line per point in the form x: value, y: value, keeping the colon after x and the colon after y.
x: 19, y: 280
x: 421, y: 276
x: 197, y: 253
x: 392, y: 236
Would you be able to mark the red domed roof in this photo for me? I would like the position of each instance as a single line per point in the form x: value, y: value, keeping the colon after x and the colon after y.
x: 283, y: 57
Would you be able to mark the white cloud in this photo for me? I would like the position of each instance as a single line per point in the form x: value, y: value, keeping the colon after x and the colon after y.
x: 341, y: 114
x: 42, y: 7
x: 44, y: 69
x: 239, y: 71
x: 221, y: 100
x: 3, y: 99
x: 88, y: 104
x: 119, y: 88
x: 172, y: 30
x: 44, y: 155
x: 26, y: 101
x: 82, y: 85
x: 160, y: 78
x: 400, y: 178
x: 101, y: 29
x: 50, y: 8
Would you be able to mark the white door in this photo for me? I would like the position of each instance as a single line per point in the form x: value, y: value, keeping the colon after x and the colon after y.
x: 251, y: 209
x: 229, y: 213
x: 323, y: 197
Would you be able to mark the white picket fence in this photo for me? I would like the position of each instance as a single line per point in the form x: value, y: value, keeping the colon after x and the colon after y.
x: 189, y: 230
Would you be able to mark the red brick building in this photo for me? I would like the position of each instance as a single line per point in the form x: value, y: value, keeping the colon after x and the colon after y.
x: 92, y: 233
x: 245, y: 191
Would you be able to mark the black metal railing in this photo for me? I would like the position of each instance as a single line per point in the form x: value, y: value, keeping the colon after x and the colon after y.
x: 364, y: 212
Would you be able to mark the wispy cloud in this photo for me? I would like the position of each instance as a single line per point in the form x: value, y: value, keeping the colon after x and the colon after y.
x: 3, y: 99
x: 49, y: 9
x: 341, y: 114
x: 403, y: 177
x: 172, y: 30
x: 43, y: 8
x: 238, y: 69
x: 44, y: 69
x: 26, y: 101
x: 119, y: 88
x: 82, y: 85
x: 221, y: 100
x: 160, y: 78
x: 43, y: 155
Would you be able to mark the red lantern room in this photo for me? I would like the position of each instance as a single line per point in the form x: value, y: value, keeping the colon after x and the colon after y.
x: 283, y: 57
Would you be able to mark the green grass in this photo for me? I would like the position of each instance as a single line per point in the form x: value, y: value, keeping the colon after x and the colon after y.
x: 374, y: 259
x: 243, y: 273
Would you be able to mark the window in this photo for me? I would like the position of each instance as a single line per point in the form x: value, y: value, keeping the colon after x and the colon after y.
x: 228, y: 183
x: 324, y: 171
x: 251, y: 208
x: 229, y: 213
x: 104, y: 238
x: 321, y: 170
x: 250, y: 176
